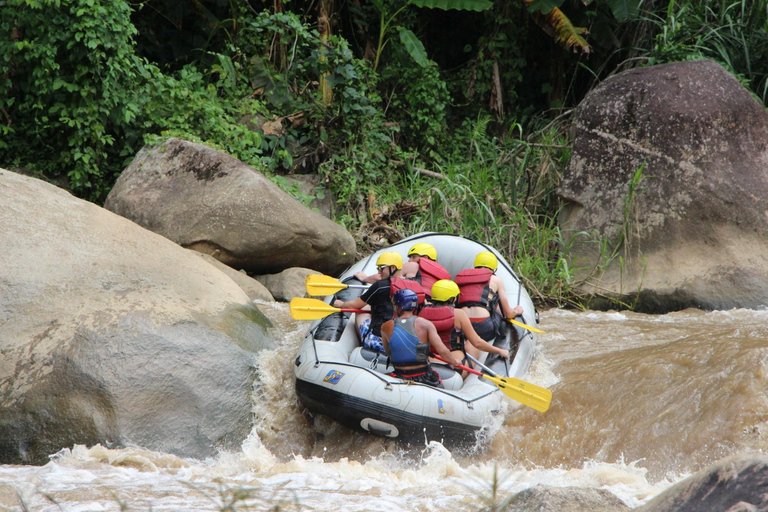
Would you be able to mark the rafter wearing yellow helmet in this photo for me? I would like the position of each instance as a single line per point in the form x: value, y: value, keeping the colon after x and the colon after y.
x: 452, y: 323
x: 377, y: 296
x: 486, y: 259
x: 422, y: 266
x: 423, y: 249
x: 390, y: 258
x: 484, y: 298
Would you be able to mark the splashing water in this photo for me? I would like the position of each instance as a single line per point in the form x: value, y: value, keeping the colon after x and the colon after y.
x: 640, y: 401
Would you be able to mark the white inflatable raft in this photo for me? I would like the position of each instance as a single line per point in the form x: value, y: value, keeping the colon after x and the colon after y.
x: 337, y: 378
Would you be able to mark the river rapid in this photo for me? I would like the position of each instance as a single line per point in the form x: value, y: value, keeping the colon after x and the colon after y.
x: 639, y: 402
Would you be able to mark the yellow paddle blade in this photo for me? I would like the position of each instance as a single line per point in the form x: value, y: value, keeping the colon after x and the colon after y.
x: 524, y: 326
x: 528, y: 387
x: 310, y: 309
x: 533, y: 396
x: 323, y: 285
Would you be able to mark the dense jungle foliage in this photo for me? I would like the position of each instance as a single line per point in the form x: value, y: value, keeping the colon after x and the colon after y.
x: 448, y: 115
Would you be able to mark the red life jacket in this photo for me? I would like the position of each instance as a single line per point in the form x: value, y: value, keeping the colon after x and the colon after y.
x: 399, y: 283
x: 442, y: 317
x: 474, y: 284
x: 429, y: 273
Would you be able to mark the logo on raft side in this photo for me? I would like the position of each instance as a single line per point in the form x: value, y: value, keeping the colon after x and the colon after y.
x: 334, y: 376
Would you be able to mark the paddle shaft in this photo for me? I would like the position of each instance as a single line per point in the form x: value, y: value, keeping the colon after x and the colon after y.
x: 461, y: 366
x: 481, y: 365
x: 318, y: 284
x: 340, y: 286
x: 524, y: 326
x: 528, y: 394
x: 313, y: 309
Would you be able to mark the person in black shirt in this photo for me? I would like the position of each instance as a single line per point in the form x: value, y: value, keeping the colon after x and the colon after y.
x: 378, y: 298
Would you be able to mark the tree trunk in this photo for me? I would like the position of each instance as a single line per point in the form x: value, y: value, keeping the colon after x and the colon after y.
x: 324, y: 25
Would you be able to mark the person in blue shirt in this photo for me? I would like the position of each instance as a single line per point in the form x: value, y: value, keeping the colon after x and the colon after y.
x: 407, y: 340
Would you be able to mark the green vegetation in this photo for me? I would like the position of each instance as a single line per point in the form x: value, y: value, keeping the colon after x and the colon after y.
x: 421, y: 114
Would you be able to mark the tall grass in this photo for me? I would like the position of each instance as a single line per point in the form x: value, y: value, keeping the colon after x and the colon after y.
x: 731, y: 32
x: 501, y: 191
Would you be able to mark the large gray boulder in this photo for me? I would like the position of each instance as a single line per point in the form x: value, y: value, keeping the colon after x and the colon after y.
x: 287, y: 284
x: 694, y: 225
x: 542, y: 498
x: 252, y: 287
x: 205, y: 200
x: 112, y: 334
x: 738, y: 483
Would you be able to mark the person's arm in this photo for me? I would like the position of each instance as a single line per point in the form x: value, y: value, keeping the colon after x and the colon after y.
x: 463, y: 322
x: 360, y: 301
x: 365, y: 278
x: 357, y: 303
x: 386, y: 334
x: 507, y: 310
x: 437, y: 344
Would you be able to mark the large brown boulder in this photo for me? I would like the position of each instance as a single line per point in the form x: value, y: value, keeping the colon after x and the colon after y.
x: 668, y: 167
x: 205, y: 200
x: 112, y: 334
x: 287, y: 284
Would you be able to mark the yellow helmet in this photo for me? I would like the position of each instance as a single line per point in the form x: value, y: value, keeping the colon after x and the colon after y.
x: 444, y: 290
x: 486, y: 259
x: 423, y: 249
x: 390, y: 259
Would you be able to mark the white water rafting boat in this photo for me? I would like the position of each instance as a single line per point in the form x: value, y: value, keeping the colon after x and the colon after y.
x: 338, y: 378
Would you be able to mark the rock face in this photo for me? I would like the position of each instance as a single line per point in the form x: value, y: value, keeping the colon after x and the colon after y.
x: 204, y: 200
x: 253, y: 288
x: 736, y: 484
x: 112, y: 334
x: 287, y: 284
x: 570, y: 499
x: 693, y: 220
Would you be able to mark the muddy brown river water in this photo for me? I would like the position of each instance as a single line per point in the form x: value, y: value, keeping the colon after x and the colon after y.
x: 639, y: 402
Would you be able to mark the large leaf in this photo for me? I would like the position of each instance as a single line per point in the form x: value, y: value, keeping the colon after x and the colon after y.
x: 557, y: 24
x: 414, y: 47
x: 543, y: 6
x: 624, y: 10
x: 461, y: 5
x: 565, y: 33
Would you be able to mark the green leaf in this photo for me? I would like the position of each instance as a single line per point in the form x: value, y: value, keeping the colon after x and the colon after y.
x: 460, y: 5
x: 414, y: 47
x: 543, y: 6
x: 229, y: 70
x: 624, y: 10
